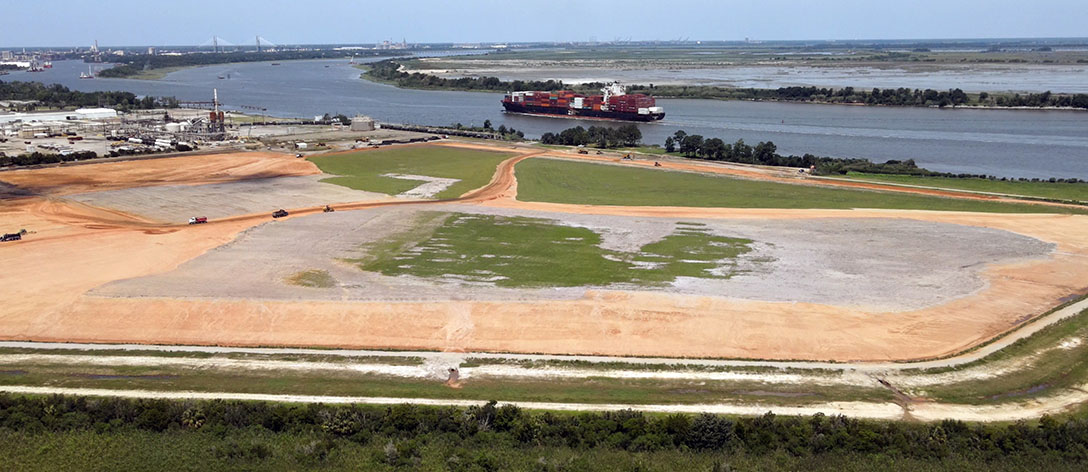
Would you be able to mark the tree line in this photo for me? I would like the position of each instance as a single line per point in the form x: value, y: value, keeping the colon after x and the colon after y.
x: 38, y: 157
x: 59, y: 96
x: 599, y: 136
x: 132, y: 64
x: 886, y: 97
x: 407, y: 427
x: 766, y: 153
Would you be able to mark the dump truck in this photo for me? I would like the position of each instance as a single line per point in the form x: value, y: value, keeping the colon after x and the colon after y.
x: 196, y: 220
x: 11, y: 237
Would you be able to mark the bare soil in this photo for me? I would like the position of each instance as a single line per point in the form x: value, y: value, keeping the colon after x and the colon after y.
x: 75, y: 248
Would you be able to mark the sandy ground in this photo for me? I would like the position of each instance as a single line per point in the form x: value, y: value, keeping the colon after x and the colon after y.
x: 176, y: 203
x: 76, y: 248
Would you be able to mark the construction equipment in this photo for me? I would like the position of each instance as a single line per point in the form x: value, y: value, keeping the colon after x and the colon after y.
x: 11, y: 237
x: 657, y: 164
x: 198, y: 220
x: 279, y: 213
x: 328, y: 209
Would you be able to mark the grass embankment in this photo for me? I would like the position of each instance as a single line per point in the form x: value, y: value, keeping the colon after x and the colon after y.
x: 347, y: 383
x: 1049, y: 190
x: 364, y: 170
x: 534, y: 252
x: 559, y: 181
x: 1055, y: 358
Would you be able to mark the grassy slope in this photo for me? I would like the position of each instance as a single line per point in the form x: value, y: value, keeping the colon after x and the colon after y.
x: 1052, y: 367
x: 1061, y: 191
x: 533, y: 252
x: 558, y: 181
x: 363, y: 170
x: 326, y: 382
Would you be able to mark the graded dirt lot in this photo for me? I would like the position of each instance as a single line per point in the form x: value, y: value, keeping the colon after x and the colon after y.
x: 176, y: 203
x: 834, y: 291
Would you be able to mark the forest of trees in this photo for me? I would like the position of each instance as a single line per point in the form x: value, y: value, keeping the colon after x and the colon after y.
x: 598, y: 136
x: 409, y: 427
x: 132, y: 64
x: 59, y: 96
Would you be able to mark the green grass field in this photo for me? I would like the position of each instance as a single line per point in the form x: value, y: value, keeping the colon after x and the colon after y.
x: 1059, y: 191
x: 559, y: 181
x: 533, y: 252
x: 363, y: 170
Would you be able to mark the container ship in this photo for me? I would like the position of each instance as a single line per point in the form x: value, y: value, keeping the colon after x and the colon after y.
x: 613, y: 104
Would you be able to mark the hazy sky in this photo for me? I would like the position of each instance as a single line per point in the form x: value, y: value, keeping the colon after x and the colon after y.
x: 191, y: 22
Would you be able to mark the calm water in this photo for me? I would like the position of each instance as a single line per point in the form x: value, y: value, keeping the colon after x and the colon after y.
x: 996, y: 142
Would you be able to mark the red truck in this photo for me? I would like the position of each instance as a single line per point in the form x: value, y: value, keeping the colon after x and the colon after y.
x: 196, y: 220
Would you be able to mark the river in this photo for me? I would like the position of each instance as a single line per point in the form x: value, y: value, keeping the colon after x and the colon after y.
x: 1011, y: 143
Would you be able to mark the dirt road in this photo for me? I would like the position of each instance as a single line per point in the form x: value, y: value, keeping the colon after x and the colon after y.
x: 886, y: 411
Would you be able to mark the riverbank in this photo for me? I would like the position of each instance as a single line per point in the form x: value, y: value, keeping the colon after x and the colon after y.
x: 395, y: 73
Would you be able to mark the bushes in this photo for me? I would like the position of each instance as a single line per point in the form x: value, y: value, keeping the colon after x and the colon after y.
x: 36, y: 158
x: 405, y: 428
x: 766, y: 153
x: 599, y: 136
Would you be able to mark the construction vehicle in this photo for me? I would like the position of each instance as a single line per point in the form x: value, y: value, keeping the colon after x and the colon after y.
x: 657, y: 164
x: 600, y: 152
x: 198, y: 220
x: 627, y: 157
x: 279, y: 213
x: 328, y: 209
x: 583, y: 151
x: 11, y: 237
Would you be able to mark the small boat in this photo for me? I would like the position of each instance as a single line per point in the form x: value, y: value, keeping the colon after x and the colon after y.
x: 275, y: 63
x: 88, y: 75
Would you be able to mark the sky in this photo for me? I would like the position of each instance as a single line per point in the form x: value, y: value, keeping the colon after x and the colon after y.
x: 194, y: 22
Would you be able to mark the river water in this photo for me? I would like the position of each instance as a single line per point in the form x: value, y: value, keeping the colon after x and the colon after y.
x: 1012, y: 143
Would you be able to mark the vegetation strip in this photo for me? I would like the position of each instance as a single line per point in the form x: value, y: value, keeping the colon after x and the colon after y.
x: 563, y: 181
x: 129, y: 433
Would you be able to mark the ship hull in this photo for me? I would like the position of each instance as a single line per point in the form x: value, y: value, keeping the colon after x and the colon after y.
x: 560, y: 112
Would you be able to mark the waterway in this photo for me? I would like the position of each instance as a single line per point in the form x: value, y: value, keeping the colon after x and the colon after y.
x: 1011, y: 143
